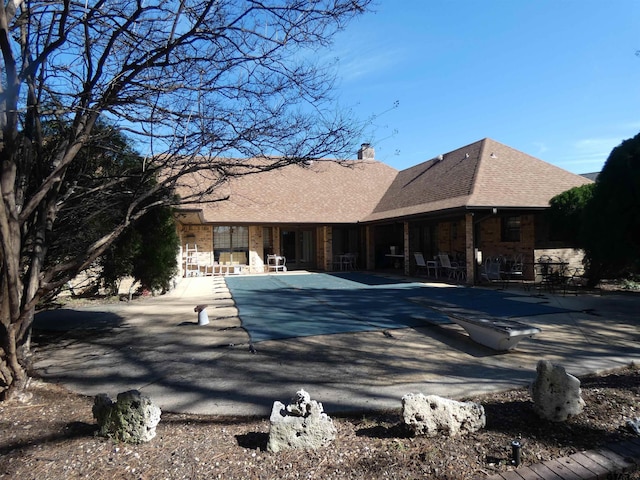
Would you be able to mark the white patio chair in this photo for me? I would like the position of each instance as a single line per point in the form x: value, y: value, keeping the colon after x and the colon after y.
x: 349, y: 261
x: 491, y: 271
x: 276, y: 263
x: 421, y: 265
x: 455, y: 272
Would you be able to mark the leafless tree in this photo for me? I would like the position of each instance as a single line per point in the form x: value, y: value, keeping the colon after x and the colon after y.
x: 194, y: 82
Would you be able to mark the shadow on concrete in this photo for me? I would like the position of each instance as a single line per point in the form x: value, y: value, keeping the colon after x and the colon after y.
x: 64, y: 320
x: 212, y: 370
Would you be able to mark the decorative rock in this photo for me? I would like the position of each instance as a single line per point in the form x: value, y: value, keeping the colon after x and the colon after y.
x: 556, y: 394
x: 633, y: 424
x: 428, y: 415
x: 132, y: 418
x: 301, y: 424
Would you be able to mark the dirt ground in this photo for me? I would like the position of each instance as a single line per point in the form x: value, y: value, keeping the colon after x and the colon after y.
x: 50, y: 434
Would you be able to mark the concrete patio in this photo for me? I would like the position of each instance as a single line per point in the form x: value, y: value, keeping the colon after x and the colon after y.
x: 155, y: 345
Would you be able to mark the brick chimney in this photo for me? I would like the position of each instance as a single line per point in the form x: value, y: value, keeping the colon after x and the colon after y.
x: 366, y: 152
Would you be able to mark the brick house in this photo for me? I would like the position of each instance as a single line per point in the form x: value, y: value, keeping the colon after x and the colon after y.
x: 484, y: 199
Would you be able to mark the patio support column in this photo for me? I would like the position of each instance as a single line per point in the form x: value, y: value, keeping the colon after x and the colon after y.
x: 370, y: 260
x: 469, y: 248
x: 327, y: 245
x: 407, y: 264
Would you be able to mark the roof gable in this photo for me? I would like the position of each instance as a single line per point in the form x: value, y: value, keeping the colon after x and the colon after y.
x: 509, y: 178
x: 483, y: 174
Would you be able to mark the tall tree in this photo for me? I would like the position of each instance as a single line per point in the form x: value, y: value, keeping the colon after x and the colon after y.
x: 567, y: 212
x: 612, y: 223
x: 197, y: 82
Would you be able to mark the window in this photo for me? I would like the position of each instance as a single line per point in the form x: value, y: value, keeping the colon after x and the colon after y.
x: 511, y: 229
x: 230, y: 239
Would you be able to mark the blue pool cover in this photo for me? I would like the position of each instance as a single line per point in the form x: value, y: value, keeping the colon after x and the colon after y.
x: 298, y: 305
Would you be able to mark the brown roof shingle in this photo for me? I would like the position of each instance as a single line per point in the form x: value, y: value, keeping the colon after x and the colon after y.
x: 483, y: 174
x: 323, y: 192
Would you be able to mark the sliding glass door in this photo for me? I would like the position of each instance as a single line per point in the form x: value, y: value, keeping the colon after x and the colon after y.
x: 298, y: 246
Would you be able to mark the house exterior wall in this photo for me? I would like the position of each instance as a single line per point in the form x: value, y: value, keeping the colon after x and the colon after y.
x: 200, y: 236
x: 454, y: 237
x: 491, y: 245
x: 451, y: 237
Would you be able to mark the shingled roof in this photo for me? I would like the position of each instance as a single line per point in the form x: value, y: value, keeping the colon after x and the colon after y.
x: 322, y: 192
x: 484, y: 174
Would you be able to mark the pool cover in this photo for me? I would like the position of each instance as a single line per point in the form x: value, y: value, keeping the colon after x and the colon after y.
x: 298, y: 305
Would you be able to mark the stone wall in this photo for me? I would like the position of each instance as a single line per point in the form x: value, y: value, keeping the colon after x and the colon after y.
x: 573, y: 256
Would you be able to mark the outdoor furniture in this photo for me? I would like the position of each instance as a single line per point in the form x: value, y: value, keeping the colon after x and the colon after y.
x: 455, y: 272
x: 191, y: 265
x: 345, y: 261
x: 421, y: 265
x: 229, y: 263
x: 575, y: 280
x: 348, y: 261
x: 206, y: 270
x: 428, y: 266
x: 396, y: 258
x: 515, y: 269
x: 491, y: 271
x: 550, y: 274
x: 276, y: 263
x: 496, y: 333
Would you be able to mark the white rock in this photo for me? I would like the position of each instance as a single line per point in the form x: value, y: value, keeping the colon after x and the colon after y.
x: 431, y: 414
x: 302, y: 425
x: 556, y: 394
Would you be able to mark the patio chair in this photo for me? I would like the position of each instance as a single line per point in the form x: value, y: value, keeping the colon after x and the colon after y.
x: 455, y: 272
x: 516, y: 269
x: 239, y: 258
x: 276, y: 263
x: 575, y: 280
x: 421, y: 265
x: 491, y: 271
x: 349, y: 261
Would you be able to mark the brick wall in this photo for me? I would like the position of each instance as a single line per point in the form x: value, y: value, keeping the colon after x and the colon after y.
x: 200, y: 236
x: 491, y: 245
x: 451, y: 237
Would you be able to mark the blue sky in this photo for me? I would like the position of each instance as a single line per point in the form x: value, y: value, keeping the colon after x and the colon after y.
x: 557, y: 79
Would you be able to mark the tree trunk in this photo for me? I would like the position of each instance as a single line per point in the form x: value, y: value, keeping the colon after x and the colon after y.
x: 13, y: 376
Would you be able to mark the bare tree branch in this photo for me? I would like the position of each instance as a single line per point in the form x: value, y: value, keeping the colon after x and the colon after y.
x: 196, y: 83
